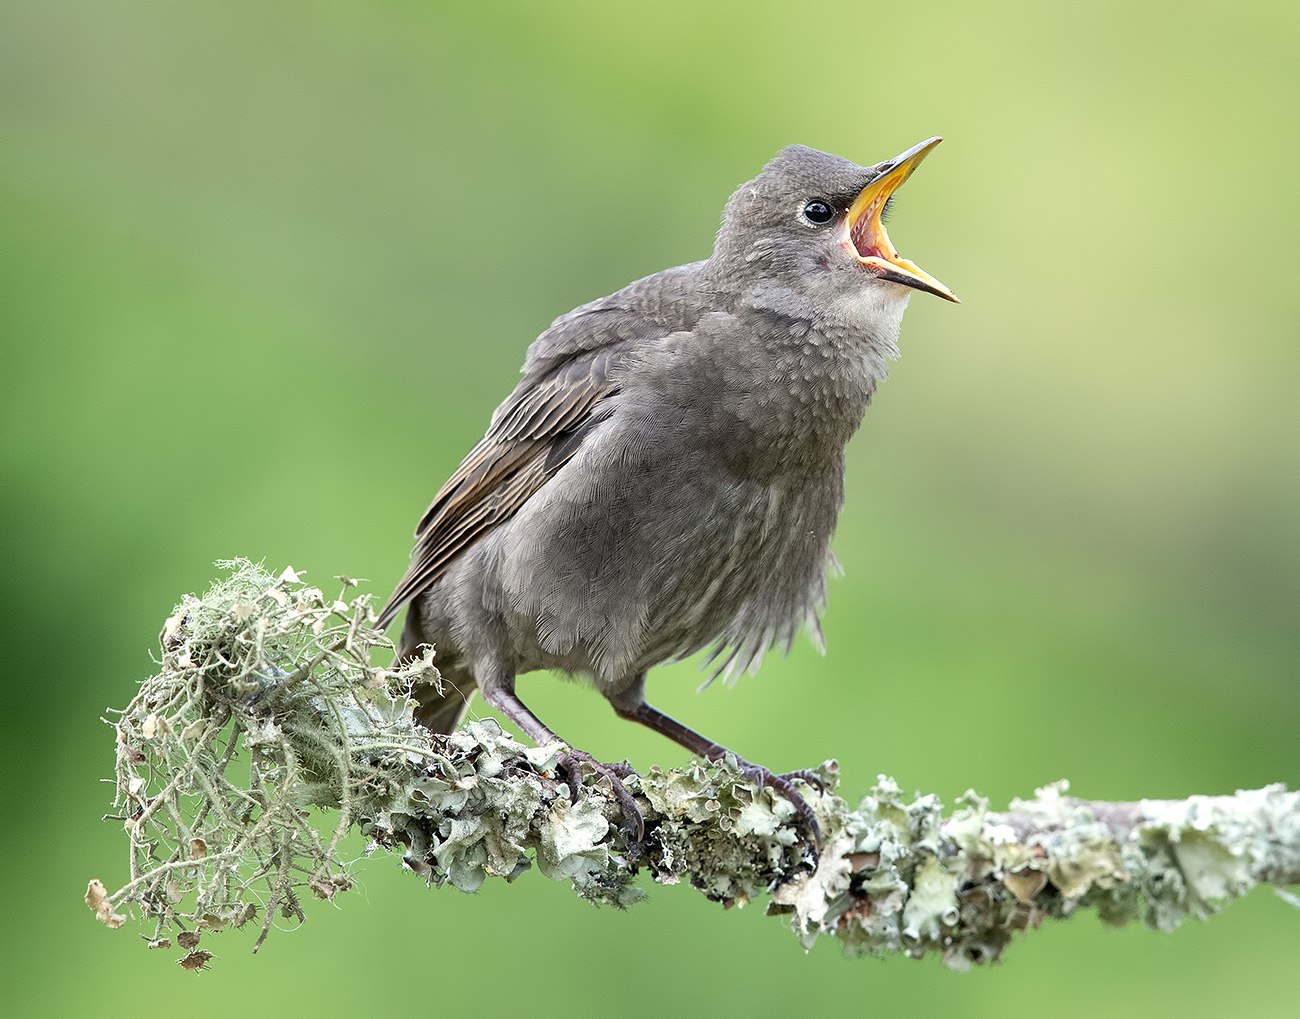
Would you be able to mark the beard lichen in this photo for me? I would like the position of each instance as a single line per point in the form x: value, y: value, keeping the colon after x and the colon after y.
x: 265, y: 703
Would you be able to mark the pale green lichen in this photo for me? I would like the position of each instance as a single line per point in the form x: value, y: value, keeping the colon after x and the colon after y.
x: 266, y: 703
x: 482, y: 807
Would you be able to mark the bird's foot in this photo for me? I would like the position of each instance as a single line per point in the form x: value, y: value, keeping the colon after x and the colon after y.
x: 783, y: 785
x: 570, y: 764
x: 808, y: 776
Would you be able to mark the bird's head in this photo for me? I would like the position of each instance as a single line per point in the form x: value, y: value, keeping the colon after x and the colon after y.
x: 811, y: 224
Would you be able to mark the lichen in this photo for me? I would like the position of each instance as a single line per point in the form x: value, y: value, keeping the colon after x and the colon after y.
x: 266, y: 704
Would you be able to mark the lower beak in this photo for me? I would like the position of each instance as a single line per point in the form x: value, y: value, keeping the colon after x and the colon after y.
x: 866, y: 235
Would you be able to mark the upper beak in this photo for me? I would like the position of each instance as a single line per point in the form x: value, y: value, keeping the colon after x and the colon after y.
x: 865, y: 233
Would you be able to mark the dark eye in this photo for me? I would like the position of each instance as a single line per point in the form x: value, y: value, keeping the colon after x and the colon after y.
x: 818, y: 212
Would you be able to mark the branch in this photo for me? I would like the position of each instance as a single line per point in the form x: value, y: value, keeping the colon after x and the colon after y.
x: 269, y: 675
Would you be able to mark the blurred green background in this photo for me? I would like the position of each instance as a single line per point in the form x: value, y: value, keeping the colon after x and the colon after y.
x: 268, y: 268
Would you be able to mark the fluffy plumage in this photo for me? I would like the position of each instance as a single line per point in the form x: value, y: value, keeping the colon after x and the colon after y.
x: 668, y: 472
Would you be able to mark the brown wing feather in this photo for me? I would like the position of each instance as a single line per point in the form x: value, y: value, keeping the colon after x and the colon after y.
x: 506, y: 467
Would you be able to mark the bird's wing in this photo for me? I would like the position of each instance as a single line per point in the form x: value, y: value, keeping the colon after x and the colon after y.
x: 532, y: 435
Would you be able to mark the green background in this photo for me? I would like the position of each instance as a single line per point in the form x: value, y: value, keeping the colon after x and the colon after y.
x: 266, y: 270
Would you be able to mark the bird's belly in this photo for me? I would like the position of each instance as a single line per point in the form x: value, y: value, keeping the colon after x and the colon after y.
x: 643, y: 566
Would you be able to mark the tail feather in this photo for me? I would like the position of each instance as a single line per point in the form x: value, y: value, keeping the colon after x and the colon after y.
x: 443, y: 713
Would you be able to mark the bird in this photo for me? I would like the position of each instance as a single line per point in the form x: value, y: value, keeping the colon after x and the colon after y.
x: 667, y: 474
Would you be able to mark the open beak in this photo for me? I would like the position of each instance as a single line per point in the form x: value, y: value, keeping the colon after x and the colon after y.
x: 865, y: 233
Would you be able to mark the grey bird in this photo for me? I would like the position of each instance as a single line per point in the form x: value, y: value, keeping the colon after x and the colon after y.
x: 667, y: 475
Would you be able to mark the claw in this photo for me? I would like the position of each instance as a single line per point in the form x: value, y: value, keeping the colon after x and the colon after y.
x: 571, y: 761
x: 805, y: 819
x: 812, y: 778
x: 655, y: 719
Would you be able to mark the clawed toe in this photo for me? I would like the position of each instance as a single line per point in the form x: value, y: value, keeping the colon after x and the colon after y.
x: 812, y: 778
x: 783, y: 786
x: 804, y: 816
x: 571, y: 762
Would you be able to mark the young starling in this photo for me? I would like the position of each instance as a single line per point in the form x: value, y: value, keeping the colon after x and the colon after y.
x: 667, y: 475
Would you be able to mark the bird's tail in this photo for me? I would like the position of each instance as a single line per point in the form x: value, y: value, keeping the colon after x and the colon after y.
x: 442, y: 712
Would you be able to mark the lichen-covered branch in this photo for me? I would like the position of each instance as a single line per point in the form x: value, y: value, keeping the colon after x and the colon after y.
x: 267, y: 703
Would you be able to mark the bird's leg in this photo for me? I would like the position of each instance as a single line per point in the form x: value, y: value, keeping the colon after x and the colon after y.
x: 782, y: 785
x: 571, y: 760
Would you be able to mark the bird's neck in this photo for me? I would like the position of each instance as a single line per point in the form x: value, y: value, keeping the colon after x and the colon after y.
x: 797, y: 366
x: 797, y: 390
x: 848, y: 336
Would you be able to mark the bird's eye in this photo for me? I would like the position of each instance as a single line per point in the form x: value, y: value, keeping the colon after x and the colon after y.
x: 818, y: 212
